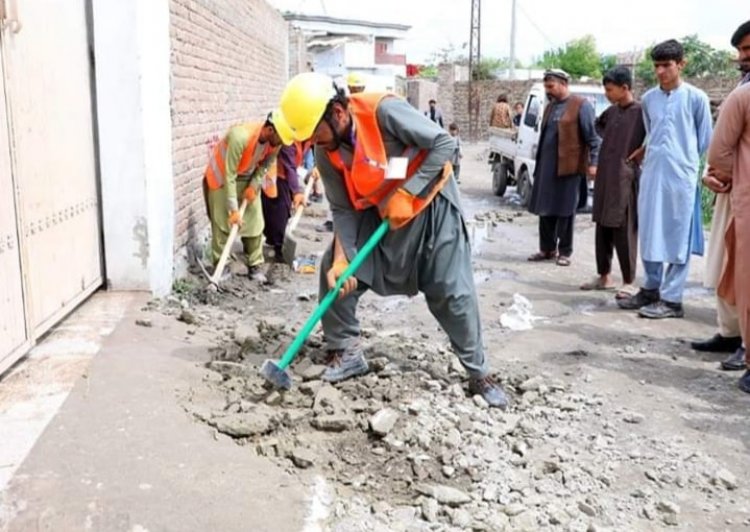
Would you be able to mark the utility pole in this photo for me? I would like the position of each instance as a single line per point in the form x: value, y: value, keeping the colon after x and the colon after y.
x: 474, y: 58
x: 512, y: 70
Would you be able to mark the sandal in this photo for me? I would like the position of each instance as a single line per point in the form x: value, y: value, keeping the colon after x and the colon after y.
x: 563, y: 261
x: 542, y: 256
x: 596, y: 284
x: 626, y: 291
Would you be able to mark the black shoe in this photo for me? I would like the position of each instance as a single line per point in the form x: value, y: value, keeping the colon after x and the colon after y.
x: 316, y: 198
x: 662, y: 309
x: 735, y: 361
x: 643, y: 298
x: 718, y: 344
x: 744, y: 383
x: 255, y: 273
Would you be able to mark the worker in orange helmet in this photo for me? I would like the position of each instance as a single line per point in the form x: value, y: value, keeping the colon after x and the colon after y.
x: 379, y: 158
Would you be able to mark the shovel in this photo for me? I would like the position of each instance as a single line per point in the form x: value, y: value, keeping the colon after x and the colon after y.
x: 289, y: 247
x: 276, y: 372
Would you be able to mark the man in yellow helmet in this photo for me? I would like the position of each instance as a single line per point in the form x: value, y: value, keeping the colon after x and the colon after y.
x: 380, y: 158
x: 355, y: 83
x: 242, y: 162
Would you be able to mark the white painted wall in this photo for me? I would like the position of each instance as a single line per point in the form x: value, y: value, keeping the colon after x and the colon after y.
x: 360, y: 54
x: 132, y: 49
x: 330, y: 62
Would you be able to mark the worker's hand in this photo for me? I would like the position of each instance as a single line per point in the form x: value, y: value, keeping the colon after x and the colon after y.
x: 234, y: 218
x: 349, y: 286
x: 591, y: 171
x: 298, y: 199
x: 250, y: 194
x: 399, y: 209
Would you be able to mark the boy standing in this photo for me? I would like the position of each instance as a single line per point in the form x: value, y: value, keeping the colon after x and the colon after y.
x: 616, y: 192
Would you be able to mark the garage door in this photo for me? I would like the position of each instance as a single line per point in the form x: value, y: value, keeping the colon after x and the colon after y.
x: 49, y: 129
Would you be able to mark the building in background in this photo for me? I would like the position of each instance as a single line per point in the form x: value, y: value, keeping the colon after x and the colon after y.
x: 336, y: 46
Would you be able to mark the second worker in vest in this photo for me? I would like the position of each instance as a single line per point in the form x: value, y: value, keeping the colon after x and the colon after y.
x: 240, y: 163
x: 357, y: 138
x: 283, y: 196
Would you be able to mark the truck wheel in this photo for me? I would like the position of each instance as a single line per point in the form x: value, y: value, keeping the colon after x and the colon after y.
x: 499, y: 179
x: 523, y: 188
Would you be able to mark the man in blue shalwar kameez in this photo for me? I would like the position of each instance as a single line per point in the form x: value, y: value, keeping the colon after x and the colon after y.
x: 677, y: 117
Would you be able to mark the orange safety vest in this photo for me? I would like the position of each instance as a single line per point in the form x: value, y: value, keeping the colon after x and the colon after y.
x: 365, y: 181
x: 216, y: 169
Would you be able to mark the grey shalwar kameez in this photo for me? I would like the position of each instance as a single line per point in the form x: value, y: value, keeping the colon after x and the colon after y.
x: 430, y: 255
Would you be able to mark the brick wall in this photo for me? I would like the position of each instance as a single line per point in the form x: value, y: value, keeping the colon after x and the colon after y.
x: 419, y: 92
x: 488, y: 92
x: 229, y: 65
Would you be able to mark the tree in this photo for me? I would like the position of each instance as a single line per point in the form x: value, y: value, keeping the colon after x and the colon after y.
x: 701, y: 61
x: 607, y: 62
x: 578, y: 58
x: 488, y: 66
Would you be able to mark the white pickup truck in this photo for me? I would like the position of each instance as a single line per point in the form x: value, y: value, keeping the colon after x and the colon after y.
x: 513, y: 151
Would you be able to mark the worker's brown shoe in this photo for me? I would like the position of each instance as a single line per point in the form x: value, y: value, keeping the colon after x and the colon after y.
x: 344, y: 364
x: 255, y: 273
x: 490, y: 391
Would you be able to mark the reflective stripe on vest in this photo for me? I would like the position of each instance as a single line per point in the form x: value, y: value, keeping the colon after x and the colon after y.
x: 365, y: 181
x: 216, y: 168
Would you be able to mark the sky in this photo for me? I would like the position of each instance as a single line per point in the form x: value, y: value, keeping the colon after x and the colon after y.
x: 541, y: 24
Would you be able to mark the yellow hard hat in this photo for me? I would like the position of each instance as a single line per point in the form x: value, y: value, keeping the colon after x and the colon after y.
x: 304, y: 101
x: 355, y: 80
x: 276, y: 117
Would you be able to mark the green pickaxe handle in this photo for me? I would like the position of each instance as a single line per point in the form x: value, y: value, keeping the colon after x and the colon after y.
x: 332, y: 294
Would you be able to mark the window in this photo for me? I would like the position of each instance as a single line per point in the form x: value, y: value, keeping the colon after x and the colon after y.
x: 532, y: 112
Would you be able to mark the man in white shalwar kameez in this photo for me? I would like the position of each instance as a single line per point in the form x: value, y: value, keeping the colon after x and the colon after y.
x: 678, y: 124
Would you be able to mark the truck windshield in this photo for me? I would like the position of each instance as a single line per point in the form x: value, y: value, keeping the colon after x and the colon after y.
x: 598, y: 100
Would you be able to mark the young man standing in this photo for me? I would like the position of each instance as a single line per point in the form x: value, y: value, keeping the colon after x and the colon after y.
x: 728, y: 338
x: 616, y: 192
x: 729, y: 169
x: 434, y: 113
x: 678, y: 123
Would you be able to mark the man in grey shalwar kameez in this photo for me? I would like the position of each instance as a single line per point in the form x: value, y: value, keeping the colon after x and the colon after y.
x: 568, y: 151
x: 429, y: 254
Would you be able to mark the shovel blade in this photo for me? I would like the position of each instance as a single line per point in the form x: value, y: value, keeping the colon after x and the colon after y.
x: 279, y: 378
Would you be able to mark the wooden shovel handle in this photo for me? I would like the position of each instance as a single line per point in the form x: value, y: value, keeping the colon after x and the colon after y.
x: 228, y: 246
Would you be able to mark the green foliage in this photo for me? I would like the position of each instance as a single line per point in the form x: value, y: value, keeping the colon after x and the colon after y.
x: 702, y: 61
x: 607, y: 62
x: 578, y: 58
x: 707, y: 204
x: 182, y: 287
x: 488, y: 66
x: 428, y: 71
